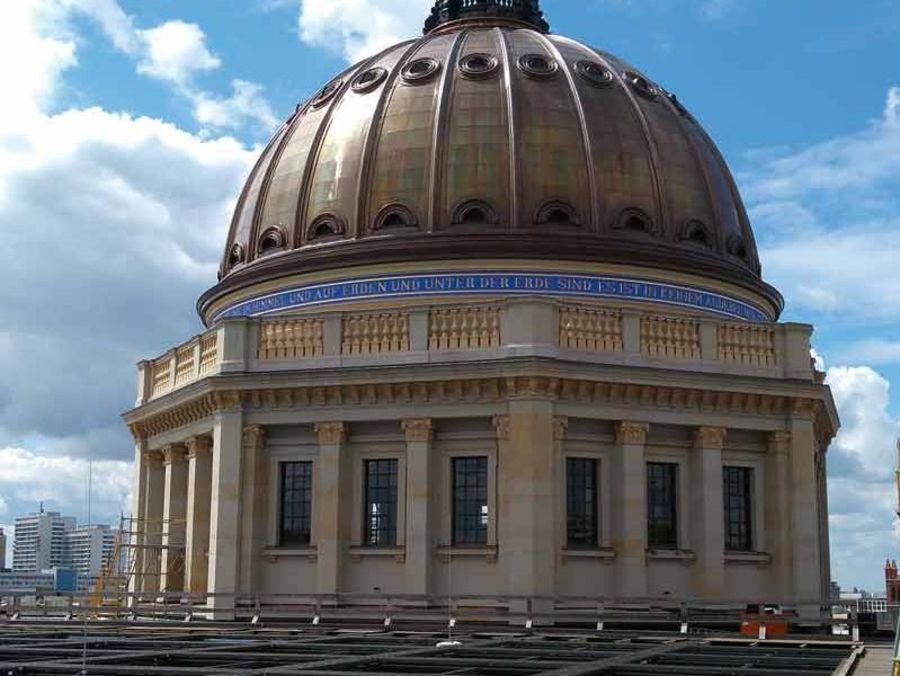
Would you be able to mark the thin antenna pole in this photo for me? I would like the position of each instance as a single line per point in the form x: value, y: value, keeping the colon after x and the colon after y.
x: 84, y: 610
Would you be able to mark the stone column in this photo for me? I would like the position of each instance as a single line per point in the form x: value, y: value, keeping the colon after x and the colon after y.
x: 629, y: 509
x: 806, y: 552
x: 707, y: 512
x: 778, y: 514
x: 151, y: 521
x: 419, y: 510
x: 196, y: 564
x: 526, y: 493
x: 253, y: 496
x: 174, y: 517
x: 225, y: 513
x: 328, y: 506
x: 137, y: 514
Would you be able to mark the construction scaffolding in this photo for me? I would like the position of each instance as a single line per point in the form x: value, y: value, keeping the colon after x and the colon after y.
x: 148, y: 559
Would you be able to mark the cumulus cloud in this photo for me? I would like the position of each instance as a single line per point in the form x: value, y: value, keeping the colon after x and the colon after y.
x: 175, y: 51
x: 862, y: 492
x: 357, y: 28
x: 246, y: 103
x: 827, y: 220
x: 90, y: 225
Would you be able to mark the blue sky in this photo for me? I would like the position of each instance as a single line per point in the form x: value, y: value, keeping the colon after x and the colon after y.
x: 129, y: 125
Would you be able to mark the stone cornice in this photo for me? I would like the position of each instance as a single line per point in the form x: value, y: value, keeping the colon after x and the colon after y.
x: 483, y: 390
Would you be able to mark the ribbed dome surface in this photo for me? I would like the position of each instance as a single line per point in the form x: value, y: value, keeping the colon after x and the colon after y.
x: 492, y: 140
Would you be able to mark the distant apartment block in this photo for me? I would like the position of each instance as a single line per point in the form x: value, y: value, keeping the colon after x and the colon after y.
x: 88, y: 548
x: 40, y: 541
x: 2, y: 549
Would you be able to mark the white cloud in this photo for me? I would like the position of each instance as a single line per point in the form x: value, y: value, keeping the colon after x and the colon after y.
x: 862, y: 491
x: 717, y: 10
x: 61, y: 483
x: 828, y: 220
x: 873, y: 351
x: 247, y: 103
x: 175, y: 51
x: 358, y: 28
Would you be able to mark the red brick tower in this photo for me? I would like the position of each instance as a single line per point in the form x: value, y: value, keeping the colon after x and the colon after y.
x: 891, y: 581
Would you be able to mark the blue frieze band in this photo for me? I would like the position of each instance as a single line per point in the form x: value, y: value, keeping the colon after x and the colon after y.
x: 494, y: 283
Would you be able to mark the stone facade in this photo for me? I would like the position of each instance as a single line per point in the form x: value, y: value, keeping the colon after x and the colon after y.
x: 524, y: 383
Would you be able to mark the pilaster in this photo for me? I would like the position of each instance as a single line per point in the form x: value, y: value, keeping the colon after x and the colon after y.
x: 806, y: 547
x: 778, y: 513
x: 629, y: 509
x: 196, y: 566
x: 225, y: 512
x: 419, y: 509
x: 526, y: 485
x: 329, y: 479
x: 707, y: 508
x: 253, y: 510
x: 174, y: 518
x: 151, y: 521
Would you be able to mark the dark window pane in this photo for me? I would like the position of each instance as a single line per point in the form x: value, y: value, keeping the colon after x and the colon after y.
x: 470, y: 503
x: 736, y: 489
x: 381, y: 503
x: 296, y: 503
x: 581, y: 502
x: 662, y: 505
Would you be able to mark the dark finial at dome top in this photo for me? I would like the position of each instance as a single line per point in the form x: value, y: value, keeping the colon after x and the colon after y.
x: 518, y: 11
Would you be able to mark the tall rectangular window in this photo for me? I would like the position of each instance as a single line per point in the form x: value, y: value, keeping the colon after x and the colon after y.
x: 662, y: 505
x: 381, y: 503
x: 737, y: 485
x: 296, y: 503
x: 470, y: 501
x: 581, y: 503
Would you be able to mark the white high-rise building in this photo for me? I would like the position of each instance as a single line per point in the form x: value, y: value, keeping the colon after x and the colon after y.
x: 88, y: 548
x: 2, y: 549
x: 40, y: 541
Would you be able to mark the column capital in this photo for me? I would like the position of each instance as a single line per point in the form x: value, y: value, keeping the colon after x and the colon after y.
x: 153, y: 459
x: 780, y: 443
x: 254, y: 436
x: 560, y: 427
x: 331, y: 432
x: 173, y: 454
x: 420, y: 429
x: 712, y: 438
x: 501, y: 425
x: 632, y: 433
x: 197, y: 446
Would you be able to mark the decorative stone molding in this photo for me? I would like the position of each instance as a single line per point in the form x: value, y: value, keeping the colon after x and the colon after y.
x: 421, y: 429
x: 376, y: 333
x: 254, y: 437
x: 712, y: 438
x: 605, y: 555
x: 780, y: 443
x: 747, y: 344
x: 330, y: 433
x: 478, y: 390
x: 466, y: 328
x: 173, y: 454
x: 274, y: 554
x: 560, y: 427
x: 446, y: 553
x: 590, y: 330
x: 632, y: 433
x: 670, y: 337
x: 501, y: 425
x: 358, y: 553
x: 198, y: 446
x: 291, y: 339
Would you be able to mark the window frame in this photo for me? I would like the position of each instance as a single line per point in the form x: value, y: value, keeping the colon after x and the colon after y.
x: 749, y: 501
x: 393, y: 530
x: 480, y: 541
x: 674, y: 500
x: 595, y: 528
x: 281, y: 540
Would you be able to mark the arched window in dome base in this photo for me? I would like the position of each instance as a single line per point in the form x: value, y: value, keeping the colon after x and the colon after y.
x: 394, y: 217
x: 635, y: 221
x: 697, y: 233
x: 475, y: 212
x: 271, y: 241
x: 557, y: 214
x: 325, y: 228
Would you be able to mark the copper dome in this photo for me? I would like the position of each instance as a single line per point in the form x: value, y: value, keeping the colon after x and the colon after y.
x: 490, y: 138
